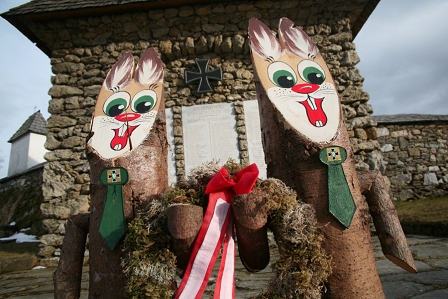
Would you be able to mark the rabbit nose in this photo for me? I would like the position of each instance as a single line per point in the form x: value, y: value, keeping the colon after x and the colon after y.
x: 305, y: 88
x: 124, y: 117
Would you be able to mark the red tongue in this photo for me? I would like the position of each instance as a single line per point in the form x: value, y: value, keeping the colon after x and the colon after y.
x: 315, y: 115
x: 123, y: 140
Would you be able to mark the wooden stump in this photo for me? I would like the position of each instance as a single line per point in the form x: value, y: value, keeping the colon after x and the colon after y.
x: 67, y: 277
x: 251, y: 230
x: 300, y: 115
x: 184, y: 222
x: 128, y: 131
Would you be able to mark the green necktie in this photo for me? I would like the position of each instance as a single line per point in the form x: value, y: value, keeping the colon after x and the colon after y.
x: 113, y: 223
x: 340, y: 200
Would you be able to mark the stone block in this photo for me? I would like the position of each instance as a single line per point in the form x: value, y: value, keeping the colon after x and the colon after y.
x: 433, y: 168
x: 361, y: 134
x: 52, y: 240
x: 403, y: 143
x: 49, y: 262
x: 414, y: 152
x: 405, y: 194
x: 445, y: 178
x: 46, y: 251
x: 387, y: 148
x: 54, y: 211
x: 403, y: 133
x: 92, y: 91
x: 430, y: 179
x: 382, y: 131
x: 60, y: 91
x: 67, y: 67
x: 401, y: 180
x: 375, y: 161
x: 19, y: 263
x: 350, y: 58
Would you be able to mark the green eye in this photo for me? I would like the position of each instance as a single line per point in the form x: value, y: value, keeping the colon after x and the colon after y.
x: 313, y: 75
x: 282, y: 74
x: 144, y: 101
x: 116, y: 104
x: 284, y: 79
x: 311, y: 72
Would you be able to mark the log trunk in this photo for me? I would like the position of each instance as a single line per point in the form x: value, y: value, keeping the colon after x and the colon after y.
x: 148, y: 178
x: 393, y: 241
x: 251, y: 230
x: 294, y: 159
x: 67, y: 277
x: 184, y: 222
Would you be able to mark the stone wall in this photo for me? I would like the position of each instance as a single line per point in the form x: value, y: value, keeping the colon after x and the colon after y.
x: 84, y: 49
x: 415, y: 150
x: 20, y: 200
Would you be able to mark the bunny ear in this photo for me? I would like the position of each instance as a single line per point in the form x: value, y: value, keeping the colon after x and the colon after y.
x: 149, y: 68
x: 121, y: 73
x: 263, y: 41
x: 295, y: 40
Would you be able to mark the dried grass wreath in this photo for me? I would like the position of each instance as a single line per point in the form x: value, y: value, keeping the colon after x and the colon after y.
x: 300, y: 272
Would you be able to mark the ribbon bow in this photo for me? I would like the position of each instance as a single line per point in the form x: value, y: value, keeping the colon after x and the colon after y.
x: 216, y: 227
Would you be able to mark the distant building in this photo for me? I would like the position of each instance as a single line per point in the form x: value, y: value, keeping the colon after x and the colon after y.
x: 27, y: 145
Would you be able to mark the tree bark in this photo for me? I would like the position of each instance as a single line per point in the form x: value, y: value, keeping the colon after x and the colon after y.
x: 148, y: 178
x: 294, y: 159
x: 251, y: 230
x: 67, y: 277
x: 393, y: 241
x: 184, y: 222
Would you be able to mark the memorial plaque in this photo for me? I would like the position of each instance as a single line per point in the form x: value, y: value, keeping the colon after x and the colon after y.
x: 209, y: 134
x: 172, y: 178
x: 253, y: 133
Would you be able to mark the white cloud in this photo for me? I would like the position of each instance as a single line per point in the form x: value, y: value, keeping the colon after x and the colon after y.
x: 404, y: 57
x: 24, y: 81
x: 403, y: 48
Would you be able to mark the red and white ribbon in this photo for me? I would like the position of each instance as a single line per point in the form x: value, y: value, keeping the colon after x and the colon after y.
x: 217, y: 227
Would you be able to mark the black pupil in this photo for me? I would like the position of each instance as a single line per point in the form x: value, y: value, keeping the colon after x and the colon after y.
x: 143, y: 107
x: 115, y: 110
x: 315, y: 78
x: 285, y: 81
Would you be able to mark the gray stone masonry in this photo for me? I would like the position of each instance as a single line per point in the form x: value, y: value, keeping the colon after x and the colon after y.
x: 415, y: 150
x: 84, y: 49
x: 20, y: 198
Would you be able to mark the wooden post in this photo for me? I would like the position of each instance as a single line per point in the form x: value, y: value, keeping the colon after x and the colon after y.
x: 184, y: 222
x: 300, y: 116
x: 390, y: 233
x: 128, y: 131
x: 251, y: 230
x: 67, y: 277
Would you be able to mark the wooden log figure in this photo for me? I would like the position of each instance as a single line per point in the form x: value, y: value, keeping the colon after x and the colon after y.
x: 307, y: 146
x: 127, y: 151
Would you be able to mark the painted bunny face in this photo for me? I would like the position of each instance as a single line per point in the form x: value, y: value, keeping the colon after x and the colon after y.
x: 127, y: 105
x: 296, y: 79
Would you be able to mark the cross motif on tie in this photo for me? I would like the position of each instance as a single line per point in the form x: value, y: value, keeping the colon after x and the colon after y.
x: 203, y: 76
x: 333, y: 154
x: 113, y: 176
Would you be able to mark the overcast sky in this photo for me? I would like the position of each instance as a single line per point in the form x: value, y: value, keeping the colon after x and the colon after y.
x: 403, y: 49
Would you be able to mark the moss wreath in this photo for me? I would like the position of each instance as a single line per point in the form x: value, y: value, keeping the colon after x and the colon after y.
x: 300, y: 272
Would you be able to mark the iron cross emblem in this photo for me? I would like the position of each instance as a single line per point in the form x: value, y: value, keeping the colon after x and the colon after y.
x: 333, y: 154
x: 113, y: 176
x: 203, y: 76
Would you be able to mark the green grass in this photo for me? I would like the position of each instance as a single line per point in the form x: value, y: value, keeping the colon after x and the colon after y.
x: 12, y: 250
x: 425, y: 216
